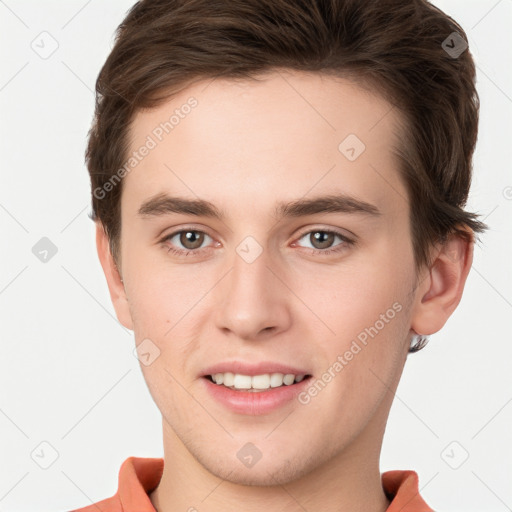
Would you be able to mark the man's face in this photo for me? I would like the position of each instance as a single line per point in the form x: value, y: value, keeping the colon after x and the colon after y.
x: 254, y: 287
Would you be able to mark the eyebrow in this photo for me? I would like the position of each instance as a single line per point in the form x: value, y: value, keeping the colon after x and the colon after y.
x: 163, y: 204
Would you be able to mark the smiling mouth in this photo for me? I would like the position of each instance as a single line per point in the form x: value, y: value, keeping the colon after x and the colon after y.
x: 255, y: 383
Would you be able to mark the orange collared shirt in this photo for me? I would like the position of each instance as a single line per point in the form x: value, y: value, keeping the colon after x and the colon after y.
x: 139, y: 476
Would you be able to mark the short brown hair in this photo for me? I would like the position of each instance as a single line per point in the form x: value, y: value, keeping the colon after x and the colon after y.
x: 393, y: 47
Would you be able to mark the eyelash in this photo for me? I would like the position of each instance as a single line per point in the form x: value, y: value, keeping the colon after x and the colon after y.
x: 185, y: 252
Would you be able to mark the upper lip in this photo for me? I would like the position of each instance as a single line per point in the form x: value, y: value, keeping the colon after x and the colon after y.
x: 252, y: 369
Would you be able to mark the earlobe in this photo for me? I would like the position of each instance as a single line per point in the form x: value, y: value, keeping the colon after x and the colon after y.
x: 441, y: 290
x: 116, y: 286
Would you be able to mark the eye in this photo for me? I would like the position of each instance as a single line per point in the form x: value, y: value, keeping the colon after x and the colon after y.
x: 322, y: 239
x: 190, y: 239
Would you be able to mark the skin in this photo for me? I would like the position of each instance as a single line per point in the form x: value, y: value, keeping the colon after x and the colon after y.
x: 246, y: 146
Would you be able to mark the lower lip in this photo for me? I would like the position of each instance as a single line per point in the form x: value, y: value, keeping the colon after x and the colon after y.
x: 255, y: 403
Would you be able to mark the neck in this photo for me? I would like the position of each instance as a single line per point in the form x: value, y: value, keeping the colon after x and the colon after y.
x: 349, y: 480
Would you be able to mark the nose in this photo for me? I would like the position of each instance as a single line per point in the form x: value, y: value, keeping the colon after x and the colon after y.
x: 252, y: 301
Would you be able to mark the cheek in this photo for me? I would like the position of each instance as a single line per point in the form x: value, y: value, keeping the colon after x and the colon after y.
x: 366, y: 310
x: 363, y: 359
x: 349, y: 299
x: 168, y: 306
x: 161, y: 294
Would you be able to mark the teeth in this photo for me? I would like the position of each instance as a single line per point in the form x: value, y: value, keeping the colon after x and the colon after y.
x: 256, y: 382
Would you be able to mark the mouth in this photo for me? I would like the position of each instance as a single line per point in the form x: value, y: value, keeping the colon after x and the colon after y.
x: 255, y: 383
x: 249, y: 390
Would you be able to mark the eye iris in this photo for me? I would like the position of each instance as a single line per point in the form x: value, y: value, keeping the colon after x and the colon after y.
x: 324, y: 238
x: 191, y: 236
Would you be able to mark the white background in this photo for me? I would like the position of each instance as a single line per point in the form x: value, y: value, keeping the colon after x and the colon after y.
x: 68, y: 376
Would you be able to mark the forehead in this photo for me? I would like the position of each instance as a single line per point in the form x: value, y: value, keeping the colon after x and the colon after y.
x: 282, y: 135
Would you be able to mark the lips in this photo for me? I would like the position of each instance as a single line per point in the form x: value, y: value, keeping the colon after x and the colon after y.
x: 252, y: 369
x: 253, y: 402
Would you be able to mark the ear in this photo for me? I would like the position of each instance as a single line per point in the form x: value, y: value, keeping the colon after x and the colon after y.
x: 440, y: 289
x: 115, y: 285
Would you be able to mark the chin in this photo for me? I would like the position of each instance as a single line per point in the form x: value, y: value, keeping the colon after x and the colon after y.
x: 270, y: 471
